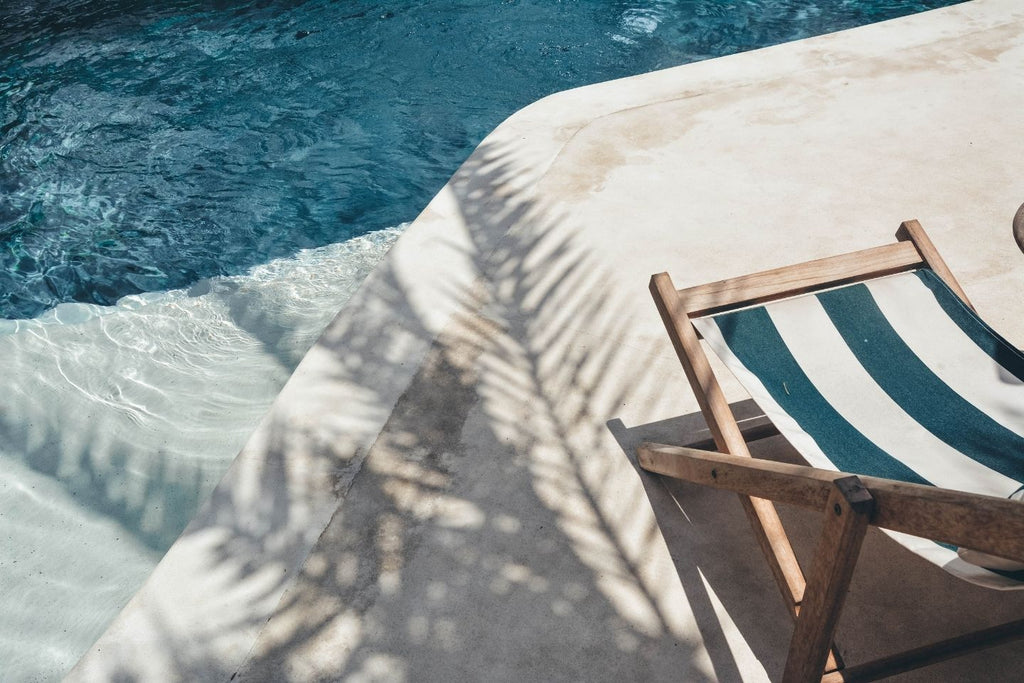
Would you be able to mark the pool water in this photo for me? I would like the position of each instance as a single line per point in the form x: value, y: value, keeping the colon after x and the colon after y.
x: 148, y: 145
x: 190, y: 189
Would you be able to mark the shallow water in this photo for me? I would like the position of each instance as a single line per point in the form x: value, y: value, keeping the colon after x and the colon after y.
x: 118, y: 421
x: 188, y: 193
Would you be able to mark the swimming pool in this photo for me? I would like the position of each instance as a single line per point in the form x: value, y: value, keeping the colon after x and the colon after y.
x: 190, y: 193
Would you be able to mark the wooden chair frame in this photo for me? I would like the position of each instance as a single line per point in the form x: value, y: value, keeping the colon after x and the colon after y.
x: 850, y: 503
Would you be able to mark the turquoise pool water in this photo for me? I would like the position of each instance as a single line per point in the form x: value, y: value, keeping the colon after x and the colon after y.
x: 147, y: 145
x: 189, y: 191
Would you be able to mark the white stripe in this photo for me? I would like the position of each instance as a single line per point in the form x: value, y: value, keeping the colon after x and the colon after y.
x: 830, y: 365
x: 787, y: 426
x: 939, y: 342
x: 948, y: 560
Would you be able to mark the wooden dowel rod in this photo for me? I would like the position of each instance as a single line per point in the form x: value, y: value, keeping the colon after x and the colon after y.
x: 929, y: 654
x: 753, y: 432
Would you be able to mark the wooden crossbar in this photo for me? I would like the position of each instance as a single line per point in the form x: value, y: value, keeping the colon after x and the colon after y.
x: 780, y: 283
x: 913, y: 250
x: 991, y: 525
x: 752, y: 430
x: 994, y: 525
x: 929, y: 654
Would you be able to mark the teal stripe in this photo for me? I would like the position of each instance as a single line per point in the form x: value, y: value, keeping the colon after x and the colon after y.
x: 918, y: 390
x: 1000, y: 350
x: 1015, y: 576
x: 753, y: 338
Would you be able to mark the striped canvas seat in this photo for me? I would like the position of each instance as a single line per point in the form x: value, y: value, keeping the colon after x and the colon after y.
x: 893, y: 377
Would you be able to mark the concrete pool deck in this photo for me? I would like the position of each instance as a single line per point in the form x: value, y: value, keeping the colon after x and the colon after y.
x: 445, y: 489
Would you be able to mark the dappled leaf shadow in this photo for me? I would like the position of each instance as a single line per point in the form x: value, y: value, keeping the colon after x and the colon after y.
x: 485, y: 530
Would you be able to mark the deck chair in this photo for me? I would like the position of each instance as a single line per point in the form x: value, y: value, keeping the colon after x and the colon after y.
x: 908, y: 408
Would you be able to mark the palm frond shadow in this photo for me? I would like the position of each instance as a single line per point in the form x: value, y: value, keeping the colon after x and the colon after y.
x: 490, y: 527
x: 493, y: 460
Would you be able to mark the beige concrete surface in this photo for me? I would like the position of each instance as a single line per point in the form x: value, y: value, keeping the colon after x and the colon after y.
x: 445, y: 490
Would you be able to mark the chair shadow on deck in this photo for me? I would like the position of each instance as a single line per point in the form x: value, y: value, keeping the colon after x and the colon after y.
x: 891, y: 604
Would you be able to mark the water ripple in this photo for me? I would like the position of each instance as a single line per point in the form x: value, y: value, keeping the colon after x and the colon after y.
x: 116, y: 421
x: 145, y: 146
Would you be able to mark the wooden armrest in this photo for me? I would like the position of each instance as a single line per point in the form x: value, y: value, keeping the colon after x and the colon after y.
x: 986, y: 523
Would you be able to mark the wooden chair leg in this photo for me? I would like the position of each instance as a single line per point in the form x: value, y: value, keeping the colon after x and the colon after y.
x: 847, y: 515
x: 728, y: 438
